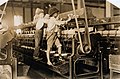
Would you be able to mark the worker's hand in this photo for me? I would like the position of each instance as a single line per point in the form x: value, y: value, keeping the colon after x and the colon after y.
x: 69, y: 17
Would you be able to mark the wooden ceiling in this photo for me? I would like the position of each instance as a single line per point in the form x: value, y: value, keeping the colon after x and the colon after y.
x: 37, y: 3
x: 64, y: 1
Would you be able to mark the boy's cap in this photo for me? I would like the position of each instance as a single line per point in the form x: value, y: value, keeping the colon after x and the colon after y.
x: 53, y: 10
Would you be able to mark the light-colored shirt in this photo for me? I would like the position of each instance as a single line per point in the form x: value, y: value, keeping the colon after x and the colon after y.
x: 40, y: 23
x: 53, y: 22
x: 38, y: 17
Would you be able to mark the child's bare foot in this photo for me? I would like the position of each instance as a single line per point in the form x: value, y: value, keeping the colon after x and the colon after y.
x: 49, y: 63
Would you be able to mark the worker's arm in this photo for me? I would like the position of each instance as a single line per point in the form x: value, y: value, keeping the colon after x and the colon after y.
x: 58, y: 22
x: 25, y: 25
x: 28, y: 24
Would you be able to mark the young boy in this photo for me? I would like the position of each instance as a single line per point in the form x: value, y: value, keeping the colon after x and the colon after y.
x: 39, y: 14
x: 38, y: 22
x: 51, y: 32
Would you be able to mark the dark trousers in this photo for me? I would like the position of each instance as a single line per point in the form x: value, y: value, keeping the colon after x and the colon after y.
x: 38, y: 40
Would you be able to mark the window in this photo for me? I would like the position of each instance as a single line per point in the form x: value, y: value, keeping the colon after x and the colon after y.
x: 17, y: 21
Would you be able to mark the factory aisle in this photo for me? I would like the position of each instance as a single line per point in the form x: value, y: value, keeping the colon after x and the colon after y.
x: 37, y: 74
x: 31, y: 75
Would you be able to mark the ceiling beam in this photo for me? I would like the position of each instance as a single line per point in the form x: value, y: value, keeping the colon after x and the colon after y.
x: 38, y: 4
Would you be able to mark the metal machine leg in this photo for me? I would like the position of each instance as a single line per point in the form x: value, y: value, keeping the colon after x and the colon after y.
x: 71, y: 71
x: 101, y: 67
x: 10, y: 61
x: 111, y: 73
x: 71, y: 68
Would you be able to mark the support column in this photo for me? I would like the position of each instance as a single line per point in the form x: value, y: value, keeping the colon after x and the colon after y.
x: 31, y: 11
x: 79, y: 4
x: 109, y: 9
x: 23, y: 14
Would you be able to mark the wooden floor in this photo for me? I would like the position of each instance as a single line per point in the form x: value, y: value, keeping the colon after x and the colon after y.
x: 41, y: 73
x: 37, y: 74
x: 33, y: 74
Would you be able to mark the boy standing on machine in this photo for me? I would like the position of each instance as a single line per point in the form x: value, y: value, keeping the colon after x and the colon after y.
x: 52, y: 32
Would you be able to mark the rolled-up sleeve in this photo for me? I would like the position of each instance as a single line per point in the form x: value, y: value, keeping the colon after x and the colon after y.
x: 60, y: 22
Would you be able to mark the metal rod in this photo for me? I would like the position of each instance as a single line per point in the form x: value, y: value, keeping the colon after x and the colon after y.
x: 3, y: 10
x: 87, y: 35
x: 80, y: 39
x: 71, y: 60
x: 101, y: 67
x: 70, y: 66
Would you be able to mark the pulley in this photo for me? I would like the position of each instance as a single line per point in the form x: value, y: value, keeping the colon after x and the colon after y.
x: 87, y: 44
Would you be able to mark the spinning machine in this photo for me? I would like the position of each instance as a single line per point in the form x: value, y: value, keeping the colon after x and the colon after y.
x: 86, y: 45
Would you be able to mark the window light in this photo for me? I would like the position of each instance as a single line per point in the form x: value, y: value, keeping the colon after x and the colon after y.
x: 3, y: 1
x: 17, y: 21
x: 115, y: 2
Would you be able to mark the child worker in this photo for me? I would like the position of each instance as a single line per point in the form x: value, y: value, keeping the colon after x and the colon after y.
x: 51, y: 32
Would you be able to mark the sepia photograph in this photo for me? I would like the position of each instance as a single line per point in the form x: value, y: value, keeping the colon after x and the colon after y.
x: 59, y: 39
